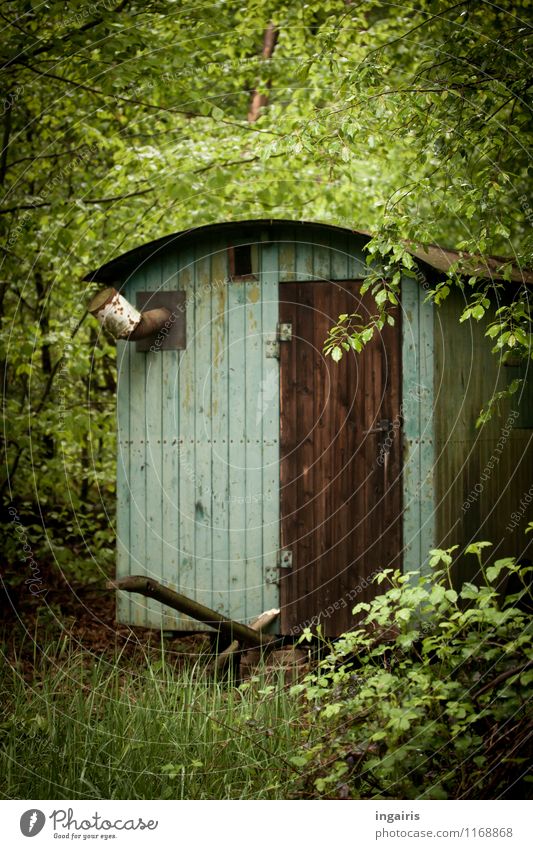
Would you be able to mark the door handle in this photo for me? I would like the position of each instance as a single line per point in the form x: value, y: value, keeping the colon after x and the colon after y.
x: 383, y: 426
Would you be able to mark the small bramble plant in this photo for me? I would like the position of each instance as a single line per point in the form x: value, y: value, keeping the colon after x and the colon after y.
x: 427, y: 698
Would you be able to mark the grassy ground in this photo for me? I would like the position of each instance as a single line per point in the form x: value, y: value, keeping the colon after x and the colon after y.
x: 85, y: 727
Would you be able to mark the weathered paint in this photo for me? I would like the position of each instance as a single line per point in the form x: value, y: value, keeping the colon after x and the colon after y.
x: 198, y: 491
x: 482, y: 474
x: 417, y: 416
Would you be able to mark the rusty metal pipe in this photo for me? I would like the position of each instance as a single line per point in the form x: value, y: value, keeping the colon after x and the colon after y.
x: 123, y: 320
x: 152, y: 321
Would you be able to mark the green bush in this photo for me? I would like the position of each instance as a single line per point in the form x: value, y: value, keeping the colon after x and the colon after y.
x: 428, y: 697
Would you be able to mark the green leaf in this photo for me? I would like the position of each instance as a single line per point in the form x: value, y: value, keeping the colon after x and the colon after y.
x: 404, y: 614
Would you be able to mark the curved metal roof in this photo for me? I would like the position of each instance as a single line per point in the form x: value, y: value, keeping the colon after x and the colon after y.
x: 436, y: 257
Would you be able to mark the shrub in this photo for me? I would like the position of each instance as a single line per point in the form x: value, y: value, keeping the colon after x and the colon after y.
x: 427, y: 698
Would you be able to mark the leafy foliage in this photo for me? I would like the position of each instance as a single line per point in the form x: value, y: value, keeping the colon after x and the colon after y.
x: 125, y: 120
x: 428, y: 697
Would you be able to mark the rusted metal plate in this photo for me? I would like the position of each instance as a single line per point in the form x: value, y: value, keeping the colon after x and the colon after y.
x: 173, y: 334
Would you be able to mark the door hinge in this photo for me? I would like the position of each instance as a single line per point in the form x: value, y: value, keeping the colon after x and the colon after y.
x: 272, y: 343
x: 272, y: 347
x: 285, y: 332
x: 271, y: 575
x: 285, y: 558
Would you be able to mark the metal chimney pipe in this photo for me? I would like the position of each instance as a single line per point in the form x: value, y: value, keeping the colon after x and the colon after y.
x: 122, y: 320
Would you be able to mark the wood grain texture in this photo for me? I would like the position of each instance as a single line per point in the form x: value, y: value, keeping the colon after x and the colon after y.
x: 198, y: 480
x: 341, y: 507
x: 482, y: 474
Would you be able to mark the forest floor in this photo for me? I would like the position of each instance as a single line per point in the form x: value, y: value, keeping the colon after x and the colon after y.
x: 86, y: 616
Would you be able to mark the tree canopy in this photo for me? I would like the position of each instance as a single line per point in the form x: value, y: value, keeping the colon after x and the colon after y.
x: 123, y: 121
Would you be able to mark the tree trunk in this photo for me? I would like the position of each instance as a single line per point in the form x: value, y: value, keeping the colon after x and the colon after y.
x: 259, y: 100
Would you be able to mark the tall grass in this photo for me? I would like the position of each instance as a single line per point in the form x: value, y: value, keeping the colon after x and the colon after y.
x: 104, y: 731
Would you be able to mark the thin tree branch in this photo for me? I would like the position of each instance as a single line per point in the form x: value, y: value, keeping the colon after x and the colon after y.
x: 24, y: 55
x: 48, y: 155
x: 83, y: 200
x: 5, y: 144
x: 413, y: 29
x: 145, y: 104
x: 516, y: 670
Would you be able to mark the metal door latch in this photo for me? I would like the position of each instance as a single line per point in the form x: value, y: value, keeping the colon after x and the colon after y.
x: 383, y: 426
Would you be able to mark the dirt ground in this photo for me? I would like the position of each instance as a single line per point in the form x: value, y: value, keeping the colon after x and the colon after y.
x: 84, y: 618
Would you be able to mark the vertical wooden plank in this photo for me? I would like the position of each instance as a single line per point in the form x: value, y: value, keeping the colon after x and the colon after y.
x: 306, y: 568
x: 322, y: 259
x: 123, y: 477
x: 153, y: 458
x: 339, y: 257
x: 287, y: 255
x: 269, y: 432
x: 289, y: 467
x: 170, y: 453
x: 392, y: 411
x: 411, y: 426
x: 220, y: 429
x: 304, y: 257
x: 357, y: 267
x: 426, y: 427
x: 258, y: 396
x: 348, y: 515
x: 203, y: 489
x: 237, y: 435
x: 254, y: 257
x: 138, y: 471
x: 417, y: 409
x: 325, y: 376
x: 187, y: 436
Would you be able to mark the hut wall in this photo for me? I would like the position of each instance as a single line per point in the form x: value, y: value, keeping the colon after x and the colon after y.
x: 198, y: 482
x: 198, y: 429
x: 417, y: 426
x: 481, y: 474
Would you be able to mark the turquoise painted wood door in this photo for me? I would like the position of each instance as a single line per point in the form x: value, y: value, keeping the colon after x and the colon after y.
x: 198, y: 462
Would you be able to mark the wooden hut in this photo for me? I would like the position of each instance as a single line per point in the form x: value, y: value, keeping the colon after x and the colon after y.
x: 253, y: 472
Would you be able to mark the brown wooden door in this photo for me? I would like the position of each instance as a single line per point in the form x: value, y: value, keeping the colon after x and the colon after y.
x: 340, y: 484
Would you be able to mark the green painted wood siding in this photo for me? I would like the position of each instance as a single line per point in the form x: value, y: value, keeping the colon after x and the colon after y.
x: 482, y: 474
x: 198, y: 482
x: 418, y: 426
